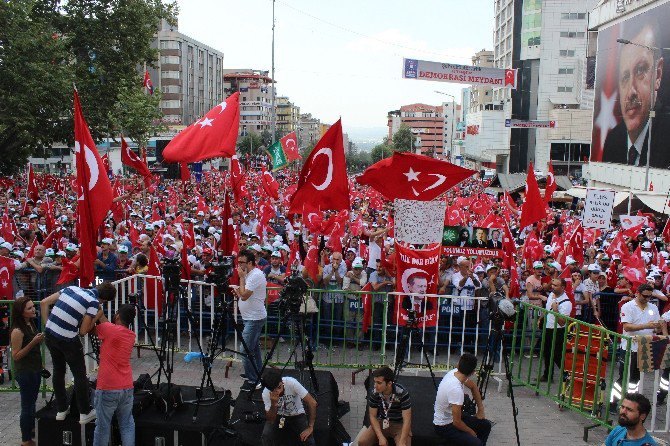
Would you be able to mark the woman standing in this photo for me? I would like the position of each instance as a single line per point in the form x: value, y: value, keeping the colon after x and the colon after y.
x: 27, y: 363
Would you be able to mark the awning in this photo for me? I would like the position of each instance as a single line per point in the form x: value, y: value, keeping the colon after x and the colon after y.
x: 657, y: 202
x: 563, y: 182
x: 512, y: 182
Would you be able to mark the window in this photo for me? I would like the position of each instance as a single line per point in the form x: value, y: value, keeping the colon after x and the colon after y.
x: 171, y: 104
x: 573, y: 15
x: 565, y: 89
x: 169, y: 45
x: 170, y: 59
x: 572, y: 34
x: 567, y: 53
x: 566, y: 70
x: 171, y: 89
x: 170, y: 74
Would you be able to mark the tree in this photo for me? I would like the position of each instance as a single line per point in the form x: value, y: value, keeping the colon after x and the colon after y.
x: 250, y: 144
x: 381, y: 151
x: 357, y: 161
x: 47, y: 45
x: 403, y: 139
x: 136, y: 114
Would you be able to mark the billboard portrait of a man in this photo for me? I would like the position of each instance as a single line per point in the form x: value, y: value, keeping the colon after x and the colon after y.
x: 629, y: 79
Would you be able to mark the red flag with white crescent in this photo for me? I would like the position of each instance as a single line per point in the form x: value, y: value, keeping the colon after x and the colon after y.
x: 551, y: 184
x: 417, y: 273
x: 6, y: 278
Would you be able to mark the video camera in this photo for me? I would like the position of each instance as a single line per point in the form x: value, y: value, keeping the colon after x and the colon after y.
x: 171, y: 274
x: 292, y: 296
x: 221, y: 271
x: 500, y: 309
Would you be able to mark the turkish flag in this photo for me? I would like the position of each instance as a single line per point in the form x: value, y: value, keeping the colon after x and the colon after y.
x: 270, y: 185
x: 366, y: 300
x: 509, y: 248
x: 130, y: 159
x: 228, y: 238
x: 634, y: 270
x: 154, y: 287
x: 69, y: 272
x: 94, y: 193
x: 417, y: 272
x: 666, y: 232
x: 311, y: 263
x: 577, y: 244
x: 6, y: 277
x: 618, y: 246
x: 213, y: 136
x: 33, y: 191
x: 238, y: 180
x: 413, y: 177
x: 185, y: 265
x: 551, y: 184
x: 324, y: 174
x: 290, y: 145
x: 8, y: 228
x: 147, y: 82
x: 184, y: 173
x: 534, y: 208
x: 633, y: 231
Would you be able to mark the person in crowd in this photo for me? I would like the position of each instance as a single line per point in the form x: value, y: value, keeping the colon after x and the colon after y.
x: 557, y: 302
x: 639, y: 318
x: 75, y: 312
x: 450, y: 423
x: 106, y: 263
x: 354, y: 280
x: 275, y: 272
x: 381, y: 282
x: 251, y: 294
x: 114, y: 387
x: 332, y: 304
x: 633, y: 413
x: 389, y: 410
x: 284, y: 399
x: 25, y: 342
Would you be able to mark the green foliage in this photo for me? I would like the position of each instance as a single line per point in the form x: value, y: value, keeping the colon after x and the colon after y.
x: 136, y: 114
x: 252, y: 144
x: 357, y: 162
x: 306, y: 150
x: 403, y: 140
x: 381, y: 151
x: 46, y: 46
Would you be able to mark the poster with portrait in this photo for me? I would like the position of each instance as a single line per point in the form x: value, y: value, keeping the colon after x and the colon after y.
x: 417, y: 272
x: 472, y: 241
x: 628, y: 71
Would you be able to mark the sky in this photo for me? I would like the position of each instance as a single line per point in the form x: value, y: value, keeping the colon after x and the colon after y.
x: 344, y: 58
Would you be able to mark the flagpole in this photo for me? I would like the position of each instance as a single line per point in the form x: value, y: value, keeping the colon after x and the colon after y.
x: 274, y: 111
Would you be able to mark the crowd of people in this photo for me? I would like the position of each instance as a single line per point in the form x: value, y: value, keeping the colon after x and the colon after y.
x: 201, y: 221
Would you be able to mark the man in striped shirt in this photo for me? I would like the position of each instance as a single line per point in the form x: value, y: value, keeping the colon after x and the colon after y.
x: 75, y: 312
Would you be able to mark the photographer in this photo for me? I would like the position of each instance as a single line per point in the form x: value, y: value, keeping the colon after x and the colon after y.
x: 25, y: 341
x: 450, y: 423
x: 283, y: 398
x: 390, y: 411
x: 251, y: 294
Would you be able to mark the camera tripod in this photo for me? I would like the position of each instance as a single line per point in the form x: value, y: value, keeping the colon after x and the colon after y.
x: 493, y: 347
x: 409, y: 329
x: 297, y: 321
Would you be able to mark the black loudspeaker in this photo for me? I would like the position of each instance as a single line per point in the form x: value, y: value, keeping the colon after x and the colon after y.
x: 66, y: 433
x: 160, y: 146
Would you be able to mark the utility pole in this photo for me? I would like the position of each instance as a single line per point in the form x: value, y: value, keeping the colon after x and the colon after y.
x: 273, y: 118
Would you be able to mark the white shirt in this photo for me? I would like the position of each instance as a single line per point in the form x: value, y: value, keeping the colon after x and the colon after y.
x: 253, y: 309
x: 450, y: 391
x: 666, y: 316
x: 631, y: 313
x: 374, y: 253
x: 564, y: 307
x: 290, y: 403
x: 467, y: 290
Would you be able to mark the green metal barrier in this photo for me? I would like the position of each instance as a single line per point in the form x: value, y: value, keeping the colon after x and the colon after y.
x: 582, y: 356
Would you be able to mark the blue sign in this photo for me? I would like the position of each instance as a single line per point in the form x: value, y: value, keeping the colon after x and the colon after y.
x: 508, y: 123
x: 411, y: 68
x: 445, y: 309
x: 355, y: 305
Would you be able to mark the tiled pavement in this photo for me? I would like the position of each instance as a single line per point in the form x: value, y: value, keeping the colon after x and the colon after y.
x: 540, y: 421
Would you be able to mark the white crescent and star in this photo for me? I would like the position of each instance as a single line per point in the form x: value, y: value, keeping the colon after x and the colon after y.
x: 4, y: 269
x: 223, y: 106
x: 550, y: 178
x: 328, y: 152
x: 92, y: 164
x: 205, y: 122
x: 412, y: 175
x: 290, y: 146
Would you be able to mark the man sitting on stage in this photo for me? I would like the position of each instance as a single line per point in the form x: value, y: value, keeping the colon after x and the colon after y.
x: 283, y: 398
x: 390, y: 411
x: 450, y: 423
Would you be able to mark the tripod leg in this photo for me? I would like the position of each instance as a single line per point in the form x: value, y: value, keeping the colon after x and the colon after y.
x: 515, y: 411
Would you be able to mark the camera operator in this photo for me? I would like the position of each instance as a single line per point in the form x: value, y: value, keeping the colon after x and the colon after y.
x: 390, y: 411
x: 251, y: 294
x: 283, y: 398
x: 449, y: 421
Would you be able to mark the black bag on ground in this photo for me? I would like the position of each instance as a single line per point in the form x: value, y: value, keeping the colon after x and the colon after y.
x: 168, y: 399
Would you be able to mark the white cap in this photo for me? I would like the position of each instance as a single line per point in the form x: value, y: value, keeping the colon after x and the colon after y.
x: 60, y: 253
x: 538, y: 264
x: 490, y: 267
x: 479, y: 269
x: 548, y: 249
x: 149, y: 227
x: 107, y: 241
x: 49, y: 252
x: 278, y: 238
x: 357, y: 263
x: 285, y: 248
x: 18, y: 254
x: 594, y: 268
x: 71, y: 247
x: 664, y: 254
x: 267, y: 248
x: 256, y: 247
x: 275, y: 254
x: 555, y: 265
x: 211, y: 230
x: 201, y: 214
x: 123, y: 248
x: 569, y: 260
x: 6, y: 245
x: 646, y: 245
x: 461, y: 259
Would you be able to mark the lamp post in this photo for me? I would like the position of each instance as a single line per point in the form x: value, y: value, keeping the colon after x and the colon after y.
x: 453, y: 118
x: 652, y: 103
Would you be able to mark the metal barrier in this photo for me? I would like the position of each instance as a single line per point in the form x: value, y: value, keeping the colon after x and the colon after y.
x: 586, y: 357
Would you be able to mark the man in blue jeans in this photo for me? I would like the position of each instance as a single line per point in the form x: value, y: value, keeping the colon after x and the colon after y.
x: 251, y: 294
x: 114, y: 389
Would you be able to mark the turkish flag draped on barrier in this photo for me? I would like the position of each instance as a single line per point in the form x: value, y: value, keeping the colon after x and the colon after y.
x: 94, y: 193
x: 324, y: 175
x: 417, y: 272
x: 6, y: 278
x: 534, y: 207
x: 130, y: 159
x: 212, y: 136
x: 413, y: 177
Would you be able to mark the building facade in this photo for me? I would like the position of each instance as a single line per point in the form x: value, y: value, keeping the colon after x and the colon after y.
x: 481, y: 96
x: 256, y: 89
x: 288, y: 115
x: 189, y: 75
x: 426, y: 123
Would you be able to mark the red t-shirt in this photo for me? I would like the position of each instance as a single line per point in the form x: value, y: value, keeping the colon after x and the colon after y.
x: 115, y: 350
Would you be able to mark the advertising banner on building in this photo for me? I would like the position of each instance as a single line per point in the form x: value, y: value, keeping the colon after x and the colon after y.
x: 471, y: 241
x: 598, y: 208
x: 461, y: 74
x: 521, y: 124
x: 631, y: 78
x: 417, y: 274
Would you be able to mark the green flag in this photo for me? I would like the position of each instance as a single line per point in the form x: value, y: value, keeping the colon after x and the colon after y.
x: 276, y: 152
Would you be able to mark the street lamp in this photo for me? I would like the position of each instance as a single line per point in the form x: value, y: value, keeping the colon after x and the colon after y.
x: 652, y: 113
x: 453, y: 118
